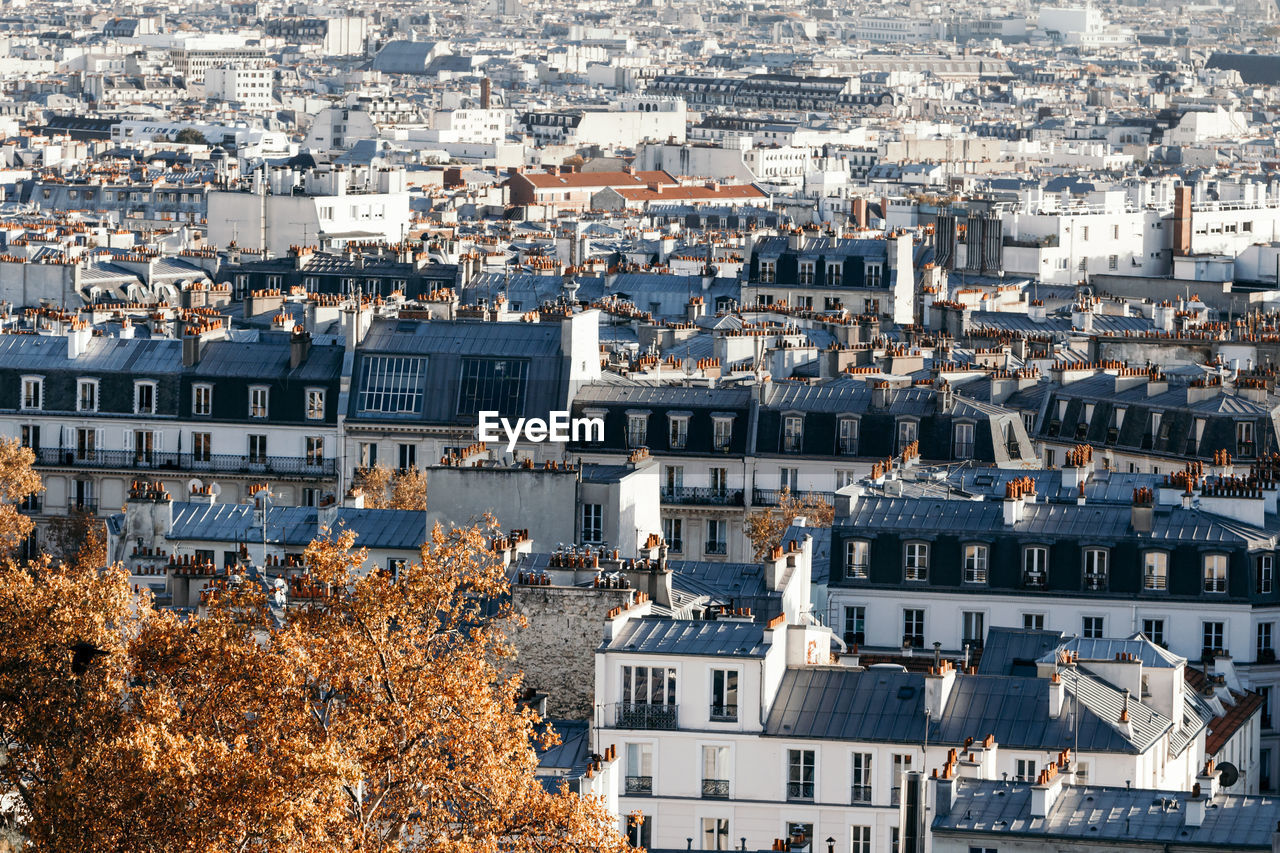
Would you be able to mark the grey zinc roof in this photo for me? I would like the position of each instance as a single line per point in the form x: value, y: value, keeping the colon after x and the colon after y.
x: 665, y: 395
x: 142, y: 356
x: 846, y: 704
x: 689, y: 637
x: 267, y: 358
x: 375, y: 528
x: 1049, y: 520
x: 1101, y: 815
x: 1013, y: 651
x: 411, y: 337
x: 1101, y: 649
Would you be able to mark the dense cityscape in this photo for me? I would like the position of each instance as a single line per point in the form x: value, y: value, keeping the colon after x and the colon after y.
x: 514, y: 425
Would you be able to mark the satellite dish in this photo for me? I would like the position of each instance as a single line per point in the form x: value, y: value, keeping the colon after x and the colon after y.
x: 1230, y: 775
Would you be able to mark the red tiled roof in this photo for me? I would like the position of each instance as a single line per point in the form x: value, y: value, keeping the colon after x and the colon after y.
x: 1222, y: 728
x: 600, y: 180
x: 694, y: 193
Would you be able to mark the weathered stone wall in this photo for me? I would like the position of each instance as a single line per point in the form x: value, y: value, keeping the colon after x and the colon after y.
x: 557, y: 648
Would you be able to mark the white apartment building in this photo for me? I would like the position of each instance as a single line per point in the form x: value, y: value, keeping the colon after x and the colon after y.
x: 250, y: 88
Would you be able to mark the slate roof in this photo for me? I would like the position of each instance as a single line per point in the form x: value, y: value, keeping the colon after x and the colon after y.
x: 392, y: 529
x: 689, y: 637
x: 49, y: 352
x: 835, y: 703
x: 1100, y: 815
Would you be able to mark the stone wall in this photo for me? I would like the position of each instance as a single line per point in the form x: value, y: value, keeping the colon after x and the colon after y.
x: 557, y: 648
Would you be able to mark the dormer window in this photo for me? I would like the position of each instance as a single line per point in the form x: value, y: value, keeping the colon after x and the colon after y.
x: 847, y: 436
x: 144, y: 398
x: 33, y: 392
x: 806, y: 272
x: 637, y: 429
x: 874, y: 275
x: 792, y: 433
x: 87, y: 395
x: 1244, y: 438
x: 768, y: 272
x: 677, y: 431
x: 258, y: 400
x: 1095, y: 569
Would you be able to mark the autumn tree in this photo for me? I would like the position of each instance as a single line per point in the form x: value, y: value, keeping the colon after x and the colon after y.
x: 18, y: 481
x: 375, y: 716
x: 404, y: 488
x: 766, y: 526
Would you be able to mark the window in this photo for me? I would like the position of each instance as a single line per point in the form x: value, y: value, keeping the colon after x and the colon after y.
x: 845, y: 477
x: 792, y: 433
x: 1265, y: 693
x: 32, y: 392
x: 649, y: 685
x: 800, y: 775
x: 1155, y: 571
x: 1085, y: 234
x: 258, y: 395
x: 1033, y: 621
x: 493, y: 385
x: 716, y: 537
x: 593, y: 523
x: 1113, y: 262
x: 722, y: 434
x: 1213, y: 637
x: 855, y: 624
x: 901, y: 766
x: 715, y: 833
x: 639, y: 775
x: 718, y: 479
x: 859, y: 839
x: 30, y: 437
x: 1026, y: 768
x: 1244, y: 438
x: 1091, y: 627
x: 314, y: 445
x: 637, y: 429
x: 87, y: 444
x: 962, y: 445
x: 87, y: 395
x: 673, y: 534
x: 1035, y: 563
x: 391, y: 385
x: 874, y: 275
x: 906, y: 434
x: 1095, y: 569
x: 715, y: 773
x: 917, y: 561
x: 143, y: 443
x: 806, y: 272
x: 847, y: 437
x: 724, y: 695
x: 258, y: 448
x: 202, y: 400
x: 201, y: 443
x: 1265, y: 572
x: 144, y: 398
x: 768, y: 272
x: 860, y: 781
x: 975, y: 563
x: 1215, y: 573
x: 789, y: 478
x: 315, y: 404
x: 678, y: 432
x: 640, y: 830
x: 857, y: 559
x: 368, y: 454
x: 1153, y: 630
x: 674, y: 479
x: 408, y: 456
x: 974, y: 628
x: 1266, y: 649
x: 913, y: 627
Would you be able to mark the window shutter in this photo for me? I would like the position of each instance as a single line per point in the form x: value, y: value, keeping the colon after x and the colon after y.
x: 128, y: 439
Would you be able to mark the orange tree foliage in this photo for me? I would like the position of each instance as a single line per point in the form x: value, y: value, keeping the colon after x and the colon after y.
x: 373, y: 717
x: 766, y: 526
x: 386, y: 489
x: 17, y: 482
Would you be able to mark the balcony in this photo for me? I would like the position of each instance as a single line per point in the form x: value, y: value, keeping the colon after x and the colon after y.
x: 859, y: 794
x: 1155, y: 583
x: 724, y: 713
x: 1095, y: 582
x: 89, y: 505
x: 715, y: 789
x: 633, y: 716
x: 772, y: 497
x: 639, y: 785
x: 702, y: 496
x: 800, y: 792
x: 1033, y: 580
x: 217, y: 463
